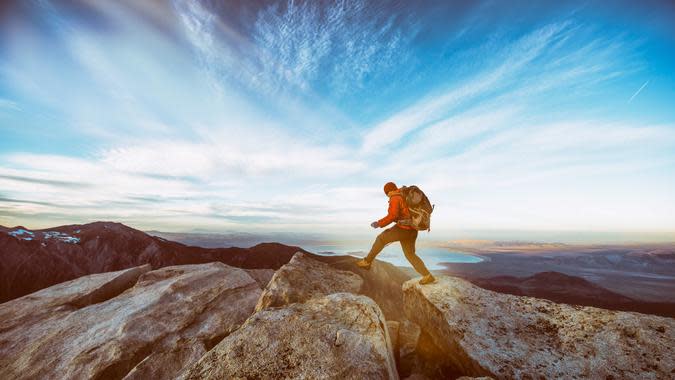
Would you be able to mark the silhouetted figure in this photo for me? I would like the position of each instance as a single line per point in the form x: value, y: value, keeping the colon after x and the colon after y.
x: 405, y: 234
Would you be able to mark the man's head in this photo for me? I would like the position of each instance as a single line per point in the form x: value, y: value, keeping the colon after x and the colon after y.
x: 389, y: 186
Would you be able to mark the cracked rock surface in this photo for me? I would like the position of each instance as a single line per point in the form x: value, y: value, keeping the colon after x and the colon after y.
x: 135, y: 322
x: 338, y: 336
x: 485, y: 333
x: 303, y: 278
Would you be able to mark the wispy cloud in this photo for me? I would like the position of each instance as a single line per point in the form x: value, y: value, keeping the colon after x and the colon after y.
x: 551, y: 58
x: 335, y: 45
x: 513, y: 58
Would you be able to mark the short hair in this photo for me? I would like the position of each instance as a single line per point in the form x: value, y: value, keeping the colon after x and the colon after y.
x: 389, y: 186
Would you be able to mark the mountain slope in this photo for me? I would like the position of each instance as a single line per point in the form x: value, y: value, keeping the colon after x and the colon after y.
x: 563, y: 288
x: 34, y: 259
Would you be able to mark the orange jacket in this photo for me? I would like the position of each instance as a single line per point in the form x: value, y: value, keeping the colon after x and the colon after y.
x: 397, y: 210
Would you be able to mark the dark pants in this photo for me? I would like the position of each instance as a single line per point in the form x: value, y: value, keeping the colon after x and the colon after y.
x: 407, y: 239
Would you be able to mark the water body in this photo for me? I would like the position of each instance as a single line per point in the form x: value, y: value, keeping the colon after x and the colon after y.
x: 432, y: 256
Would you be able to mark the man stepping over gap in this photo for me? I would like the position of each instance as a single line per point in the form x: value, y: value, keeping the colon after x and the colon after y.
x: 405, y: 228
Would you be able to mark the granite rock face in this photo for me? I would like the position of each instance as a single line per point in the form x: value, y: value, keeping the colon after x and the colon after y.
x: 392, y: 329
x: 382, y: 283
x: 135, y: 323
x: 308, y: 324
x: 303, y: 278
x: 338, y: 336
x: 484, y: 333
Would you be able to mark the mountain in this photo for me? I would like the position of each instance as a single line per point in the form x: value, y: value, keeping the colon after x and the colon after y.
x: 556, y: 286
x: 34, y: 259
x: 563, y: 288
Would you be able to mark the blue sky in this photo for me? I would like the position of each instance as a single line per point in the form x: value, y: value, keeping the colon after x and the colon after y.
x: 289, y: 116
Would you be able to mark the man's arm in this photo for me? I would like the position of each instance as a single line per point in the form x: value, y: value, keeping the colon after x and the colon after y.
x: 392, y: 213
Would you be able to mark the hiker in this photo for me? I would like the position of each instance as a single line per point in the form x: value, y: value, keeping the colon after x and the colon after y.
x: 406, y: 234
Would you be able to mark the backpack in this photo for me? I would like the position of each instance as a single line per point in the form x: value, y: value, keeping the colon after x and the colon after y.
x: 419, y: 206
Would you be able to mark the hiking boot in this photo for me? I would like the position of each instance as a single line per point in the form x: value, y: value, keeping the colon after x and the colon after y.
x: 363, y: 264
x: 428, y: 279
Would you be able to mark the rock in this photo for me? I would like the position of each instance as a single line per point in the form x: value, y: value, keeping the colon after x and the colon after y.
x: 418, y: 355
x: 338, y: 336
x: 392, y: 329
x: 382, y: 282
x: 140, y: 323
x: 417, y: 376
x: 429, y: 360
x: 485, y: 333
x: 34, y: 308
x: 304, y: 278
x: 474, y: 378
x: 408, y: 335
x: 261, y: 276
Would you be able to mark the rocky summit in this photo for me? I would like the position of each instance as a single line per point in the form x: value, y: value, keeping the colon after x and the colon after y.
x: 507, y: 337
x: 316, y: 318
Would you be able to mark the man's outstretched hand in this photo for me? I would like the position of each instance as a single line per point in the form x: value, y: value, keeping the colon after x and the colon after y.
x: 374, y: 224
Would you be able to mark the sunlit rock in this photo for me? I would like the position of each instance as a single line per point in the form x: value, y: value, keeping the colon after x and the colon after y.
x: 484, y: 333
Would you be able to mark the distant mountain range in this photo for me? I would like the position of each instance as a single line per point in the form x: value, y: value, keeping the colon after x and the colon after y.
x: 562, y: 288
x: 34, y: 259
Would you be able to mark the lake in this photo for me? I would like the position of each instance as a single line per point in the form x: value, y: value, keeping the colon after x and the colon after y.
x: 432, y: 256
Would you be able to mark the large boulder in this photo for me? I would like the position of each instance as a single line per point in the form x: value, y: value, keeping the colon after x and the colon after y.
x: 338, y: 336
x: 382, y: 282
x: 484, y: 333
x: 303, y: 278
x: 32, y: 309
x: 135, y: 323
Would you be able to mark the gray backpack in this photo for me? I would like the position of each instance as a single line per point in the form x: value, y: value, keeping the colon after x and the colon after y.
x: 419, y: 206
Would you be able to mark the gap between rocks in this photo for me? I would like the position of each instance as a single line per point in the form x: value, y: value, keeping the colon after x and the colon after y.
x: 384, y: 284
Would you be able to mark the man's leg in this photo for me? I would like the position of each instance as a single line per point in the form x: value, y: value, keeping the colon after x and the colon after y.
x: 387, y: 236
x: 408, y: 245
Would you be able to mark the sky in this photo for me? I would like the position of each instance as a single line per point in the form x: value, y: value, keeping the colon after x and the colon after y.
x: 290, y: 116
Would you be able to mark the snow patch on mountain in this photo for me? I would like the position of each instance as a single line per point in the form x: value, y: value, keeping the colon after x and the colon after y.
x: 61, y: 237
x: 22, y: 234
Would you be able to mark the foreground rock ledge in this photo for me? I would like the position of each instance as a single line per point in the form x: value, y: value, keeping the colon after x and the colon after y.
x: 339, y: 336
x: 506, y: 337
x: 134, y: 323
